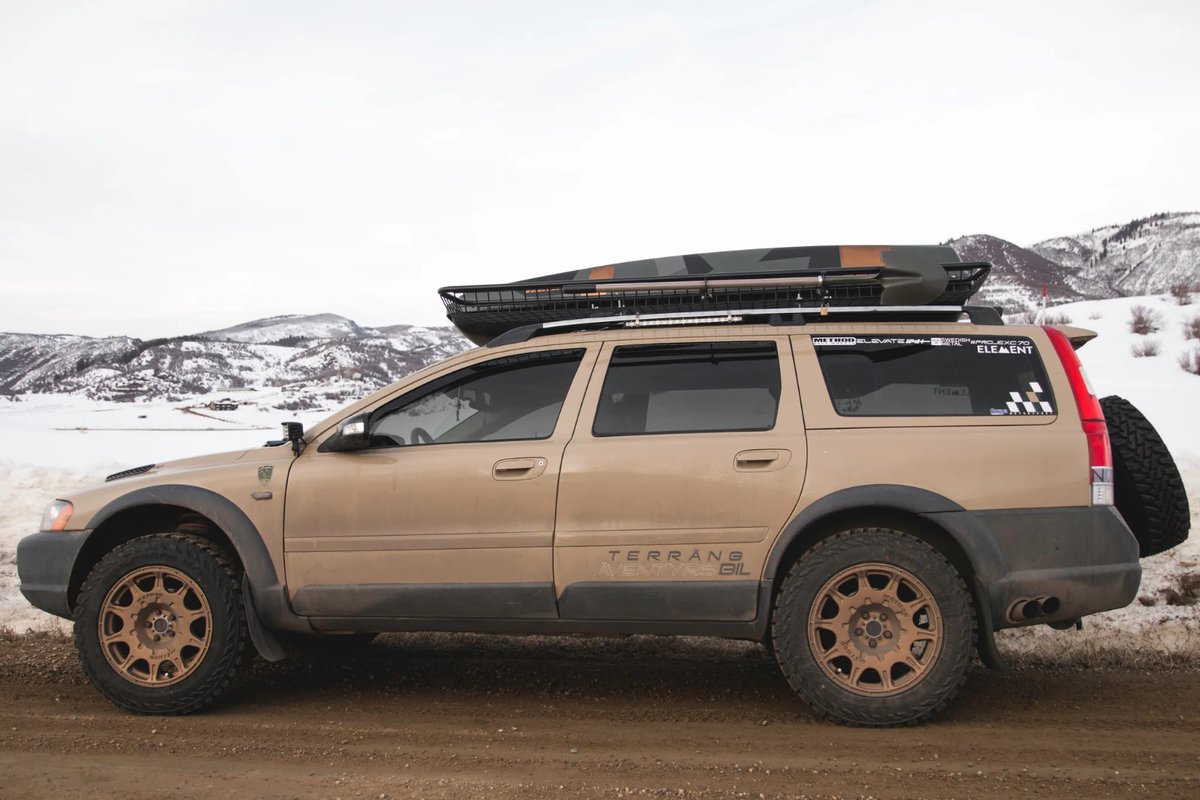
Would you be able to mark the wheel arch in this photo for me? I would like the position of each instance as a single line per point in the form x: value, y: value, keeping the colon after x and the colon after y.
x: 156, y: 509
x: 927, y: 515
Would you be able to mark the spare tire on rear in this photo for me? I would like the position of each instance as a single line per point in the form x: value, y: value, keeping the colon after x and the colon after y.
x: 1149, y: 489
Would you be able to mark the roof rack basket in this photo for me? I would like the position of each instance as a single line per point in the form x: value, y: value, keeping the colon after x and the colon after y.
x: 742, y: 280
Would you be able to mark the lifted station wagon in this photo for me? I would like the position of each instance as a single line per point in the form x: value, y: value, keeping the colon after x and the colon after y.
x: 821, y: 449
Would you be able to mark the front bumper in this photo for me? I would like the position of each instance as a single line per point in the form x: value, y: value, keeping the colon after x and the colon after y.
x: 45, y: 564
x: 1084, y: 558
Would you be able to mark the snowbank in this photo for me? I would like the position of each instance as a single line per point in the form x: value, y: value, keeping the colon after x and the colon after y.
x: 24, y: 493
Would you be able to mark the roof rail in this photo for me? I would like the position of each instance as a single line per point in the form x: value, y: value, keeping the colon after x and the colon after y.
x: 978, y: 315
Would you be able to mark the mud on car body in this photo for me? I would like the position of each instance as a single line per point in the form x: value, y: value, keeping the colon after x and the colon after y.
x: 869, y: 490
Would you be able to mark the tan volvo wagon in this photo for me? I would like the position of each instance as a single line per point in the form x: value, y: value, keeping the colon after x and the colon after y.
x: 870, y: 489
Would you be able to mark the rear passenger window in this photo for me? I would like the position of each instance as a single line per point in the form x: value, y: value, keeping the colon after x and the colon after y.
x: 689, y: 388
x: 934, y: 376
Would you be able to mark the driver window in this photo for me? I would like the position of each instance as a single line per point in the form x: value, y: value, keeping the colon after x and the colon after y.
x: 517, y: 397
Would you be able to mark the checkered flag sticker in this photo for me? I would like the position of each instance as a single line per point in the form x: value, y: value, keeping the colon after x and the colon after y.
x: 1031, y: 403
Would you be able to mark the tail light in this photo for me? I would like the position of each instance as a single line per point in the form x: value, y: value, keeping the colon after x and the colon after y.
x: 1092, y: 418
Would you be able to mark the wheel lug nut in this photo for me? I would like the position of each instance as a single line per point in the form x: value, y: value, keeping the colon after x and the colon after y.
x: 883, y: 617
x: 887, y: 634
x: 858, y: 631
x: 865, y: 615
x: 871, y: 642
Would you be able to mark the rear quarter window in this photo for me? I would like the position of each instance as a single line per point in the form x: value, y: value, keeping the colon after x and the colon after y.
x: 934, y: 376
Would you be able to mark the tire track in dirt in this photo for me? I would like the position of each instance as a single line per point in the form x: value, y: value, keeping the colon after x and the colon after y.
x: 486, y: 717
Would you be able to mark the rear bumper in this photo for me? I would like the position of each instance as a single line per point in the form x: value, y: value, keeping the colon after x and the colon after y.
x: 45, y: 562
x: 1086, y: 559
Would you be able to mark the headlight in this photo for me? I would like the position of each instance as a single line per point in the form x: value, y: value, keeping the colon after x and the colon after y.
x: 57, y: 515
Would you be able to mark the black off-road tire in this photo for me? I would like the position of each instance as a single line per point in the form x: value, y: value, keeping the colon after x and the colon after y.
x: 228, y: 650
x: 1149, y: 489
x: 800, y: 590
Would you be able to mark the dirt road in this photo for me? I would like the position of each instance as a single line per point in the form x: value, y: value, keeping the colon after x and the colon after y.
x: 466, y: 716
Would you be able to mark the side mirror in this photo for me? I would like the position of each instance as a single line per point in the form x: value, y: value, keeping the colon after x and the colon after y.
x: 352, y: 435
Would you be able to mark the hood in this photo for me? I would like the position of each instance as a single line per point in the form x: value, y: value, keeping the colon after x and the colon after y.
x: 195, y: 462
x: 219, y: 472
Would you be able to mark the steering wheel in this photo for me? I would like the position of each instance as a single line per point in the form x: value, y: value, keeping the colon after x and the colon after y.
x: 421, y: 436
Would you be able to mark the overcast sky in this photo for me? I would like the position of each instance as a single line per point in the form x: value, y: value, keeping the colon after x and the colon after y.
x: 169, y: 167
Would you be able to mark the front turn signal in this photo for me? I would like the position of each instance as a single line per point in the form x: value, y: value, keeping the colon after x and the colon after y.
x: 57, y: 515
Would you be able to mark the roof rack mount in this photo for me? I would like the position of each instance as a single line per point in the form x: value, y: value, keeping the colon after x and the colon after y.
x: 799, y: 315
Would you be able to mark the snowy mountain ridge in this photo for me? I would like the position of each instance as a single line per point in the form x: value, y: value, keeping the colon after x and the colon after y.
x: 1144, y: 256
x: 324, y: 354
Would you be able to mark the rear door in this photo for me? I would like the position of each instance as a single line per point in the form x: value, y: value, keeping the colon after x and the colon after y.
x: 688, y: 458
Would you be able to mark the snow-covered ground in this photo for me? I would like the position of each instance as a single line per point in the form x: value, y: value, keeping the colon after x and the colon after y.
x: 50, y: 444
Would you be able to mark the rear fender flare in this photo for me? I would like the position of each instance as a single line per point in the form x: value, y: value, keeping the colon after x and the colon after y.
x: 977, y: 546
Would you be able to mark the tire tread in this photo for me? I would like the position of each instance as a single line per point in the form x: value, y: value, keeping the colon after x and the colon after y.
x: 849, y: 710
x: 1149, y: 489
x: 231, y: 661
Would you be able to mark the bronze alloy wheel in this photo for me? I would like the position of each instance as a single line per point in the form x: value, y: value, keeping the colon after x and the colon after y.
x: 875, y: 629
x: 155, y: 626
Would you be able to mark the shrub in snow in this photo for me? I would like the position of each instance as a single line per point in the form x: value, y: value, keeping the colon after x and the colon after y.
x: 1191, y: 328
x: 1182, y: 292
x: 1057, y: 318
x: 1027, y: 317
x: 1143, y: 320
x: 1190, y: 361
x: 1144, y: 348
x: 1095, y: 315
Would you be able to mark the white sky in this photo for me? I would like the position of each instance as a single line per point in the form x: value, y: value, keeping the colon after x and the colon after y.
x: 170, y: 167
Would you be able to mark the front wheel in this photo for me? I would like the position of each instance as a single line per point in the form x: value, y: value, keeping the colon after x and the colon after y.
x: 874, y: 627
x: 160, y: 627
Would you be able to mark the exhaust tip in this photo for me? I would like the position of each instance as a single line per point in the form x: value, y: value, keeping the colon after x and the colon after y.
x: 1051, y: 605
x: 1032, y: 609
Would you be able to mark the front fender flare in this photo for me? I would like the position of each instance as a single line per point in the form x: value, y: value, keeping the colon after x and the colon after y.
x: 268, y: 592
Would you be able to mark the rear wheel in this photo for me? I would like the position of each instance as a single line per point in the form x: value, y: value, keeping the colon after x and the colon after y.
x: 160, y: 627
x: 874, y: 627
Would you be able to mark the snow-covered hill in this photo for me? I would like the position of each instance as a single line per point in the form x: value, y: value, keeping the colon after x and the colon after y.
x: 1140, y: 257
x: 321, y: 357
x: 1018, y: 274
x: 1144, y: 256
x: 290, y: 327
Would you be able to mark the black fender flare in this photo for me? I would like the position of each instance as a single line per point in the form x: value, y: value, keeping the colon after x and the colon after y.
x: 269, y: 595
x: 984, y: 556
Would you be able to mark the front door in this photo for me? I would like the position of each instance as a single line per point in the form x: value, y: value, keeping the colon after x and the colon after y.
x: 687, y: 460
x: 449, y: 513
